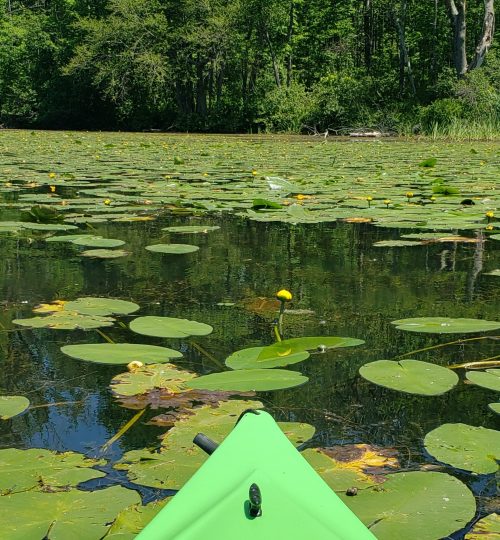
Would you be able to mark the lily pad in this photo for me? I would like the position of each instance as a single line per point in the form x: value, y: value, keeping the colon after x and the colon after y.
x: 74, y: 514
x: 192, y: 229
x: 64, y: 320
x: 315, y: 343
x: 445, y: 325
x: 69, y: 238
x: 105, y: 253
x: 11, y: 406
x: 98, y: 242
x: 169, y: 327
x: 37, y: 468
x: 471, y: 448
x: 487, y: 379
x: 487, y: 528
x: 396, y: 243
x: 414, y: 506
x: 146, y: 378
x: 101, y: 306
x: 410, y: 376
x: 120, y: 353
x: 130, y: 521
x: 495, y: 407
x: 249, y: 379
x: 250, y: 358
x: 172, y: 249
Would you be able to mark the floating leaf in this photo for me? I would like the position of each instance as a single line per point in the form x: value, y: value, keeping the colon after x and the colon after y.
x: 487, y: 528
x: 66, y: 321
x: 495, y: 407
x: 445, y: 325
x: 315, y: 343
x: 130, y: 521
x: 191, y: 229
x: 71, y: 514
x: 144, y: 379
x: 466, y: 447
x: 250, y: 358
x: 429, y: 162
x: 249, y: 379
x: 105, y: 253
x: 260, y: 204
x: 353, y: 465
x: 22, y: 470
x: 487, y: 379
x: 101, y: 306
x: 11, y: 406
x: 69, y: 238
x: 396, y: 243
x: 98, y: 242
x: 172, y: 249
x: 120, y: 353
x: 414, y: 506
x: 411, y: 376
x: 169, y: 327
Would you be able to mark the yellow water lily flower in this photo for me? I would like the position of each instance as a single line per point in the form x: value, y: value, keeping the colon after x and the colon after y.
x: 107, y: 202
x: 489, y: 227
x: 52, y: 175
x: 490, y: 214
x: 52, y: 189
x: 283, y: 295
x: 134, y: 365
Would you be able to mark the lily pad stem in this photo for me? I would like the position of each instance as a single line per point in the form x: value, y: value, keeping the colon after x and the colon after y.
x: 211, y: 357
x: 122, y: 430
x: 457, y: 342
x: 106, y: 337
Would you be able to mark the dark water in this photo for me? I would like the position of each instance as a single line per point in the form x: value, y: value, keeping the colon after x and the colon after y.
x: 351, y: 288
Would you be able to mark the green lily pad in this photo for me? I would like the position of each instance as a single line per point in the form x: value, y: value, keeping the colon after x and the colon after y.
x: 495, y: 407
x: 445, y: 325
x: 487, y: 528
x: 487, y: 379
x: 410, y: 376
x: 429, y: 162
x: 191, y: 229
x: 172, y: 249
x: 494, y: 237
x: 396, y: 243
x: 66, y: 321
x: 105, y: 253
x: 414, y: 506
x: 22, y: 470
x: 315, y: 343
x: 101, y: 306
x: 120, y: 353
x: 48, y: 227
x: 147, y: 378
x: 72, y: 514
x: 179, y: 458
x: 169, y: 327
x: 69, y: 238
x: 475, y: 449
x: 11, y: 406
x: 98, y: 242
x: 250, y: 358
x: 249, y: 379
x: 130, y: 521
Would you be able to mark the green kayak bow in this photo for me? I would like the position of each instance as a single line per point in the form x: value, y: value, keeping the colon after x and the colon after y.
x: 255, y: 486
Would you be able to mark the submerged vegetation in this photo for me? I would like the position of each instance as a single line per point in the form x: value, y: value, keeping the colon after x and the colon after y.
x: 377, y: 353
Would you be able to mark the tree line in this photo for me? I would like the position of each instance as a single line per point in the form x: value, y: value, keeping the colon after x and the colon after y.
x: 249, y: 65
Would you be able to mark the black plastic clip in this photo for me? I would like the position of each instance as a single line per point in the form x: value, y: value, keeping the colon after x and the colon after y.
x: 255, y: 498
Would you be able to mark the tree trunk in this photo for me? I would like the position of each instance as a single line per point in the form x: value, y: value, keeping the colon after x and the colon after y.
x: 289, y: 44
x: 276, y: 70
x: 404, y: 57
x: 456, y: 11
x: 368, y: 32
x: 486, y: 38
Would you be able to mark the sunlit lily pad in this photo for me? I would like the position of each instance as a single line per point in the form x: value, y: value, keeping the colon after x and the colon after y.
x: 169, y: 327
x: 396, y: 243
x: 32, y: 515
x: 471, y: 448
x: 64, y: 320
x: 130, y: 521
x: 69, y: 238
x: 143, y: 380
x: 487, y: 528
x: 120, y: 353
x: 105, y: 253
x: 445, y: 325
x: 98, y: 242
x: 250, y: 358
x: 410, y: 376
x: 101, y: 306
x: 22, y: 470
x: 11, y: 406
x: 414, y: 506
x: 487, y: 379
x: 354, y: 465
x: 172, y: 249
x: 495, y: 407
x: 314, y: 343
x: 249, y: 379
x: 192, y: 229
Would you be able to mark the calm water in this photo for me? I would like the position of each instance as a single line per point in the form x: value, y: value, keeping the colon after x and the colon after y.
x: 346, y: 286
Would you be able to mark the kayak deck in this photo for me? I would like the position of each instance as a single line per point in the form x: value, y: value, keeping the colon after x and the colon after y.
x: 296, y: 502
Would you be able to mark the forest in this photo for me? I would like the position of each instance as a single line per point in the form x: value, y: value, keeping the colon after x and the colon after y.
x: 400, y: 66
